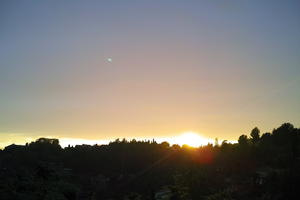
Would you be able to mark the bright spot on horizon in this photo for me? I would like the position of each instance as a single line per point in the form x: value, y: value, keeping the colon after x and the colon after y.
x: 191, y: 139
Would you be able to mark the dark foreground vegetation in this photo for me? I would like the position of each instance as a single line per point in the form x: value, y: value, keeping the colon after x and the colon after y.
x: 259, y: 166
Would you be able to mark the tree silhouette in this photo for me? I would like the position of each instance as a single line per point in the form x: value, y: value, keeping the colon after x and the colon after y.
x: 265, y: 167
x: 243, y: 140
x: 255, y: 135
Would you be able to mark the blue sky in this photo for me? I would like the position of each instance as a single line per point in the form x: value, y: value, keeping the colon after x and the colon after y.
x: 218, y: 68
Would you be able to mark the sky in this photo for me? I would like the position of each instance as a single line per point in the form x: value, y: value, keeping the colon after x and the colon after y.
x: 101, y: 70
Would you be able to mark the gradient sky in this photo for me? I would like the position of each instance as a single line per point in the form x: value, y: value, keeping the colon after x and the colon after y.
x: 218, y: 68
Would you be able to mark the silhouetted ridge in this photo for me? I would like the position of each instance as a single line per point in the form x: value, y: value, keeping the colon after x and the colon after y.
x: 259, y: 166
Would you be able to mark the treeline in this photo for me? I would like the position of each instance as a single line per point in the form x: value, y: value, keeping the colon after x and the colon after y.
x: 259, y: 166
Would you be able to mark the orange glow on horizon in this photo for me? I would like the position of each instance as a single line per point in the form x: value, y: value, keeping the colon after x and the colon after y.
x: 192, y: 139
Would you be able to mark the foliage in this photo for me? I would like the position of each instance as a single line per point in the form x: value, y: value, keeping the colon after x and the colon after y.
x: 259, y: 167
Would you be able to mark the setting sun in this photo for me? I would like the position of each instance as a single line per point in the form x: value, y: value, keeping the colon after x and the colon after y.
x: 192, y: 139
x: 149, y: 99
